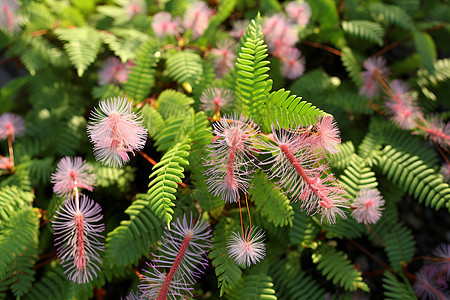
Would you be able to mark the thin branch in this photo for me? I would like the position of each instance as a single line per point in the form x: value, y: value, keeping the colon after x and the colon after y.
x: 370, y: 255
x: 323, y: 47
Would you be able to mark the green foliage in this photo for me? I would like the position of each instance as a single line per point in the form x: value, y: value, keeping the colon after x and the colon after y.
x: 82, y: 46
x: 351, y: 65
x: 252, y: 85
x: 124, y: 42
x: 336, y: 267
x: 153, y: 120
x: 427, y: 50
x: 358, y: 176
x: 271, y: 202
x: 256, y: 287
x: 303, y: 227
x: 367, y: 30
x: 167, y: 173
x: 173, y: 104
x: 391, y: 14
x: 227, y: 271
x: 185, y: 67
x: 396, y: 289
x: 142, y: 76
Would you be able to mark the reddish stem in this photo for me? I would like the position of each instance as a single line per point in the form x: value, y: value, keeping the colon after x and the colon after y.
x: 370, y: 255
x: 165, y: 286
x: 10, y: 148
x: 323, y: 47
x: 148, y: 158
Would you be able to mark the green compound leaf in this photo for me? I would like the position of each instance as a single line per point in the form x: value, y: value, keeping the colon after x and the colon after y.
x: 366, y: 30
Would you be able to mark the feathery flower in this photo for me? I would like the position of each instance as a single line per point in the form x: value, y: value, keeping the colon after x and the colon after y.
x: 374, y: 67
x: 247, y: 249
x: 114, y: 130
x: 445, y: 171
x: 214, y: 99
x: 136, y: 7
x: 5, y: 163
x: 300, y: 12
x: 296, y: 164
x: 163, y: 24
x: 77, y: 238
x: 196, y: 18
x: 401, y: 105
x: 230, y: 161
x: 427, y: 285
x: 224, y: 56
x: 114, y: 71
x: 327, y: 135
x: 367, y: 206
x: 183, y: 251
x: 437, y: 131
x: 8, y: 18
x: 72, y: 172
x: 293, y: 64
x: 443, y: 251
x: 239, y: 28
x: 11, y: 124
x: 280, y: 34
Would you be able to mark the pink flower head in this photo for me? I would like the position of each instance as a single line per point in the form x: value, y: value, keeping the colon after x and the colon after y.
x: 247, y: 248
x: 300, y: 12
x: 367, y: 206
x: 8, y: 17
x: 136, y: 7
x: 279, y: 34
x: 327, y: 135
x: 230, y: 160
x: 376, y: 69
x: 239, y: 28
x: 442, y: 251
x: 295, y: 162
x: 72, y: 172
x: 224, y: 56
x: 428, y: 285
x: 5, y: 163
x: 77, y: 238
x: 216, y: 99
x: 196, y: 18
x: 445, y: 171
x: 437, y: 131
x: 293, y: 64
x: 401, y: 105
x: 163, y: 24
x: 114, y: 130
x: 11, y: 125
x: 183, y: 252
x: 114, y: 71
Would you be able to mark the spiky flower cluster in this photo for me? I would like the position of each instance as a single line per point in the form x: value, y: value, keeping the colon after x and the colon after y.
x: 376, y: 69
x: 183, y: 254
x: 8, y: 16
x: 163, y: 24
x: 402, y: 105
x: 11, y: 125
x: 367, y: 206
x: 435, y: 129
x: 247, y: 248
x: 114, y: 130
x: 114, y: 71
x: 77, y: 222
x: 196, y: 18
x: 224, y: 56
x: 216, y: 99
x: 231, y: 159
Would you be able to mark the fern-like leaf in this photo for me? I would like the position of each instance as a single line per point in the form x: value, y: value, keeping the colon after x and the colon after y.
x: 82, y: 46
x: 185, y: 67
x: 167, y: 173
x: 358, y: 176
x: 414, y: 177
x: 153, y: 121
x: 271, y: 202
x: 171, y: 103
x: 304, y: 229
x: 366, y: 30
x: 352, y: 66
x: 124, y: 41
x: 427, y: 50
x: 252, y: 85
x: 391, y: 14
x: 142, y: 76
x: 227, y: 271
x: 396, y: 289
x: 344, y: 157
x: 257, y: 287
x: 399, y: 245
x: 336, y: 267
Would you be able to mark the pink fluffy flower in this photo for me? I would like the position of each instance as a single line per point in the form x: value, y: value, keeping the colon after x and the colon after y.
x: 11, y: 125
x: 367, y: 206
x: 437, y: 131
x: 239, y: 28
x: 5, y: 163
x: 293, y: 64
x: 114, y: 71
x: 72, y: 172
x: 428, y: 285
x: 230, y: 161
x: 215, y: 99
x: 300, y: 12
x: 183, y: 252
x: 224, y: 56
x: 77, y: 238
x: 248, y: 248
x: 280, y: 34
x: 114, y: 130
x: 402, y: 106
x: 376, y: 69
x: 8, y: 17
x: 163, y: 24
x: 327, y: 135
x: 196, y: 18
x: 136, y: 7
